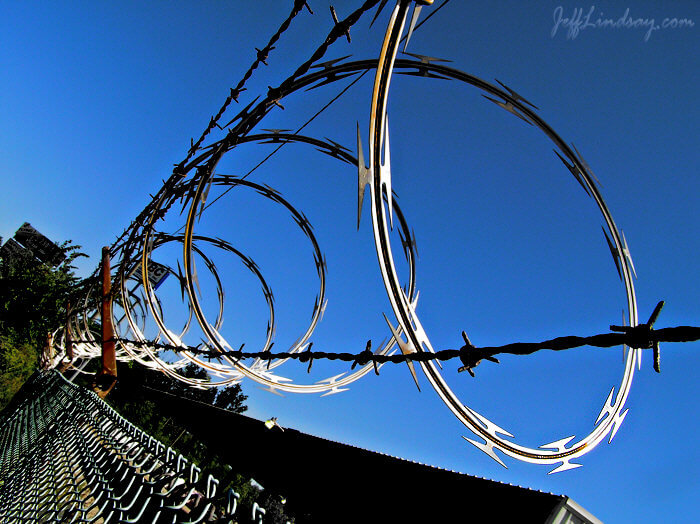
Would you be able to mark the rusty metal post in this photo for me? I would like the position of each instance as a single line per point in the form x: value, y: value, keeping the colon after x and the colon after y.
x: 107, y: 376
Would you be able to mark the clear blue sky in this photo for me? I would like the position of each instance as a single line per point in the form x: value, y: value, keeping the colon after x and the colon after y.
x: 99, y: 100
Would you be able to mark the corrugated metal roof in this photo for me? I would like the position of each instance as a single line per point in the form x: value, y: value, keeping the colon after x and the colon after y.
x: 318, y: 475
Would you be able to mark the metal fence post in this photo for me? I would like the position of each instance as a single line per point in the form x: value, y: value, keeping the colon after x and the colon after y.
x: 107, y: 376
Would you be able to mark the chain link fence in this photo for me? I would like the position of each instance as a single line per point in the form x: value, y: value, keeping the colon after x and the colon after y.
x: 66, y: 456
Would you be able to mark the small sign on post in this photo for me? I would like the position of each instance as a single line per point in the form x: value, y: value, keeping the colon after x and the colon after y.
x: 157, y: 273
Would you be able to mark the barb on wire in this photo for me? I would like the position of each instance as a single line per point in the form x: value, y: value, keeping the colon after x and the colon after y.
x: 433, y: 12
x: 643, y: 335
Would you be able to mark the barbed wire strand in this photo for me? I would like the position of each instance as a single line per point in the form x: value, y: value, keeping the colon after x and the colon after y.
x: 339, y: 29
x: 640, y: 337
x: 342, y: 92
x: 261, y: 57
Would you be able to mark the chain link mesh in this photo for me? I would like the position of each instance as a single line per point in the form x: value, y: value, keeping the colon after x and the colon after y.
x: 66, y: 456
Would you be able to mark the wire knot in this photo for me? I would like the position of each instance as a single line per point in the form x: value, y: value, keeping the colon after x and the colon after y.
x: 364, y: 356
x: 307, y: 357
x: 341, y: 28
x: 643, y: 337
x: 472, y: 356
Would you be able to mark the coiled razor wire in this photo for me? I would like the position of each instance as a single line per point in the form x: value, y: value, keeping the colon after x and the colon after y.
x: 67, y: 456
x: 189, y: 187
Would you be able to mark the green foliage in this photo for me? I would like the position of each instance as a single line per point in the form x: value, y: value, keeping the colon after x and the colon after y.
x: 231, y: 398
x: 274, y: 508
x: 17, y: 362
x: 33, y: 296
x: 33, y: 299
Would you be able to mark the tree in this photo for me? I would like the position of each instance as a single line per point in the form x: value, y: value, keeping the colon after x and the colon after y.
x: 18, y: 361
x: 164, y: 382
x: 231, y: 398
x: 34, y: 295
x: 275, y: 509
x: 33, y: 300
